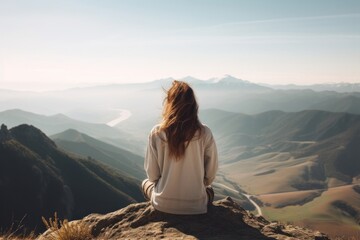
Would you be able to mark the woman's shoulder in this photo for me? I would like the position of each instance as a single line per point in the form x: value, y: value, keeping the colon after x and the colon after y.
x: 157, y: 132
x: 205, y: 130
x: 155, y: 129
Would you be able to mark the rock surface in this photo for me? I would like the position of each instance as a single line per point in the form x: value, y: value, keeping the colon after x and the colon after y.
x: 224, y: 220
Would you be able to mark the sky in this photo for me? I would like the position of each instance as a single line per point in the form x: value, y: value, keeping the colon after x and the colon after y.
x: 72, y: 43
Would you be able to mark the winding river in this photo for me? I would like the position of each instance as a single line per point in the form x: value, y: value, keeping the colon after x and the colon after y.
x: 123, y: 115
x: 258, y: 209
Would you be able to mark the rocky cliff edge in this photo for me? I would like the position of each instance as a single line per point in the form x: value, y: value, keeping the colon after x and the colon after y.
x: 224, y: 220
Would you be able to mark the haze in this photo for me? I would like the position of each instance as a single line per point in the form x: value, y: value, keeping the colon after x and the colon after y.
x: 62, y: 44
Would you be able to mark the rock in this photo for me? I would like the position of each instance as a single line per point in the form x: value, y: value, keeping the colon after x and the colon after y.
x: 224, y: 220
x: 4, y: 133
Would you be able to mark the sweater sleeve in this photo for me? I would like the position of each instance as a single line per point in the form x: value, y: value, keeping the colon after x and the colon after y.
x: 211, y: 160
x: 151, y: 165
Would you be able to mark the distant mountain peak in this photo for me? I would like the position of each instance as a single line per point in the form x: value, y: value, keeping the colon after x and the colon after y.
x: 60, y: 116
x: 227, y: 79
x: 231, y: 81
x: 72, y: 134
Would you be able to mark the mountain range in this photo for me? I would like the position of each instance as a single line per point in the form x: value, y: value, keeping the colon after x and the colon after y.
x: 58, y: 123
x: 98, y: 104
x: 336, y: 87
x: 37, y: 179
x: 283, y: 160
x: 303, y: 162
x: 292, y: 151
x: 331, y: 138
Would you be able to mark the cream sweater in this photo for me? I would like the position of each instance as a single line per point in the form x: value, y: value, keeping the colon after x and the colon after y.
x: 180, y: 185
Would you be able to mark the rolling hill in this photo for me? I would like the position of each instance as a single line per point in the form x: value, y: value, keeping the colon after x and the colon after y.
x: 335, y: 211
x: 38, y: 179
x: 301, y: 162
x: 57, y: 123
x: 318, y: 145
x: 124, y: 161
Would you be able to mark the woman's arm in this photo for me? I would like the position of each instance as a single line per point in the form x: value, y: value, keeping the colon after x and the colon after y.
x: 211, y: 160
x: 151, y: 165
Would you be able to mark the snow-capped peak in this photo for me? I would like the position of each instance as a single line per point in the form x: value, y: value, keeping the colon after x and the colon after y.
x: 226, y: 79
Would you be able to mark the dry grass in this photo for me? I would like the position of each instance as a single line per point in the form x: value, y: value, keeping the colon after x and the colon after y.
x: 277, y: 200
x: 16, y: 231
x: 13, y: 235
x: 320, y: 214
x: 65, y: 230
x: 269, y: 173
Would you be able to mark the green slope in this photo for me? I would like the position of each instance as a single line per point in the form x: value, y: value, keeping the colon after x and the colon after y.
x: 82, y: 144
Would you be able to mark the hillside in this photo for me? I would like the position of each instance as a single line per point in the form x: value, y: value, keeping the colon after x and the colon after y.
x: 124, y: 161
x: 38, y: 179
x: 326, y: 141
x: 294, y: 162
x: 335, y: 211
x: 57, y: 123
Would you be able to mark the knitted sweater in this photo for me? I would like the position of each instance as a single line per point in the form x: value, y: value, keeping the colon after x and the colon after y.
x: 180, y: 184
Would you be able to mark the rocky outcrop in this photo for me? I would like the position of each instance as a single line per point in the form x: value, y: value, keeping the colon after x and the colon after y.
x: 224, y: 220
x: 4, y: 133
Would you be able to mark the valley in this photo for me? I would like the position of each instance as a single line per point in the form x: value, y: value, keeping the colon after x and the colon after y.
x: 289, y: 155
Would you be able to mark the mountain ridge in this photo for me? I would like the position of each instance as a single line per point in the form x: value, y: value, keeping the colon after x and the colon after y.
x: 336, y: 86
x: 38, y: 179
x: 124, y: 161
x: 299, y: 134
x: 57, y: 123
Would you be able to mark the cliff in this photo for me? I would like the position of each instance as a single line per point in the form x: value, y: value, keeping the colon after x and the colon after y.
x: 224, y: 220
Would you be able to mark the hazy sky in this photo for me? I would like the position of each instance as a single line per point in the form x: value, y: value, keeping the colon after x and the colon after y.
x: 57, y: 44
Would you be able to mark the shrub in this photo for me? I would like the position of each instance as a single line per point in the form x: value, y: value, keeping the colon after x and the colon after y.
x: 65, y: 230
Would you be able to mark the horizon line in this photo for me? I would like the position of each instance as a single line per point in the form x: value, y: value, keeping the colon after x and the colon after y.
x: 94, y: 85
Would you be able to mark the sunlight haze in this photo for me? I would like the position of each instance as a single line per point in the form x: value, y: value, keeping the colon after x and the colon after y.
x: 47, y: 45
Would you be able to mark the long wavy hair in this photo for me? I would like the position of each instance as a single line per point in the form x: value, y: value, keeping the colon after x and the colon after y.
x: 180, y: 118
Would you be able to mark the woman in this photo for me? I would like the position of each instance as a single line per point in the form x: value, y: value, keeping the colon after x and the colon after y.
x: 181, y: 158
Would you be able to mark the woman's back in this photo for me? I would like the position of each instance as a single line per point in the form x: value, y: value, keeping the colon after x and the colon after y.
x: 180, y: 187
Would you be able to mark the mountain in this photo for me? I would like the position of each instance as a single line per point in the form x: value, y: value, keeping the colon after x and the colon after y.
x: 55, y: 123
x: 38, y: 179
x: 124, y: 161
x: 348, y: 104
x: 231, y: 82
x: 224, y: 220
x: 59, y: 122
x: 303, y: 167
x: 332, y: 137
x: 223, y: 82
x: 336, y: 87
x: 100, y: 105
